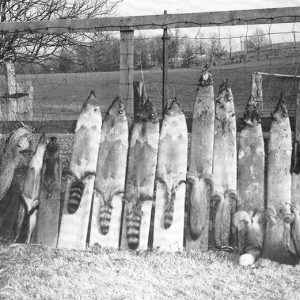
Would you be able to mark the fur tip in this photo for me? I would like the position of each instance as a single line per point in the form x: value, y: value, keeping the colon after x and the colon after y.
x: 205, y: 78
x: 251, y: 116
x: 281, y: 110
x: 133, y: 245
x: 224, y: 85
x: 247, y: 260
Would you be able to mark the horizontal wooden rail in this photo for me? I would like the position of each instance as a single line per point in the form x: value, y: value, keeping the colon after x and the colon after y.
x: 203, y: 19
x: 68, y: 126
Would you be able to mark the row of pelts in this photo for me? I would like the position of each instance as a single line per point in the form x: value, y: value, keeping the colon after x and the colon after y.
x: 113, y: 180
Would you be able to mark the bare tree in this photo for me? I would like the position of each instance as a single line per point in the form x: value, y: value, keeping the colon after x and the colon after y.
x: 256, y: 41
x: 36, y: 48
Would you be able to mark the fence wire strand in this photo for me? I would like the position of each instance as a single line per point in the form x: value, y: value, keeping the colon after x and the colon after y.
x: 61, y: 86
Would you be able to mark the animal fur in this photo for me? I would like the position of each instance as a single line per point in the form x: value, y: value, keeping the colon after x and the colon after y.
x: 76, y: 190
x: 250, y: 234
x: 106, y: 210
x: 197, y: 213
x: 169, y: 196
x: 15, y: 144
x: 27, y: 215
x: 134, y: 219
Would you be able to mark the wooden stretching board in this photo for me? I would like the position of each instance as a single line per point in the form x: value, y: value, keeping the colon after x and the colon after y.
x: 29, y: 199
x: 248, y: 221
x: 140, y: 179
x: 279, y: 186
x: 200, y: 165
x: 49, y: 204
x: 80, y: 184
x: 171, y: 181
x: 110, y: 178
x: 224, y: 165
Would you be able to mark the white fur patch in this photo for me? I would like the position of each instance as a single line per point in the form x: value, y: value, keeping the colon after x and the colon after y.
x: 247, y: 259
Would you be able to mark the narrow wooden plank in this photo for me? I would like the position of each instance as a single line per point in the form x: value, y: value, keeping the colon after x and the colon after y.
x: 224, y: 165
x: 82, y: 170
x: 29, y: 199
x: 279, y: 187
x: 279, y: 75
x: 248, y: 220
x: 49, y: 206
x: 203, y: 19
x: 140, y: 176
x: 126, y: 70
x: 297, y: 119
x: 110, y: 178
x: 257, y: 92
x: 171, y: 181
x: 201, y: 164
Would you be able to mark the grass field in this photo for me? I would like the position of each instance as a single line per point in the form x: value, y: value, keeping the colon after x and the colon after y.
x: 33, y: 272
x: 61, y: 95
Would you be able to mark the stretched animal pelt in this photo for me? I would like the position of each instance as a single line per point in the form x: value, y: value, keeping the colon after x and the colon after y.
x: 139, y: 186
x: 200, y: 182
x: 171, y: 181
x: 29, y: 198
x: 110, y: 177
x: 18, y: 142
x: 82, y: 170
x: 248, y: 221
x: 224, y: 165
x: 278, y: 241
x: 49, y: 207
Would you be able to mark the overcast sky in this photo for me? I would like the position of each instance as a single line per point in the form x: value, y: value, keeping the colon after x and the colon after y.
x: 153, y: 7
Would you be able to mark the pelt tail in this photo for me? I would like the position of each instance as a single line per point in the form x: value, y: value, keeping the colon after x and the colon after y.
x: 134, y: 219
x: 197, y: 208
x: 169, y: 210
x: 222, y: 220
x: 105, y: 217
x: 76, y: 192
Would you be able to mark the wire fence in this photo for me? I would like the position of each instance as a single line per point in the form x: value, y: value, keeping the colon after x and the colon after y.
x: 63, y: 74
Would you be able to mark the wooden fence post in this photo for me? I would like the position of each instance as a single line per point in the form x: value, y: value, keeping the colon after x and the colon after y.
x: 17, y: 102
x: 10, y: 75
x: 257, y: 90
x: 126, y: 70
x: 165, y: 81
x: 297, y: 127
x: 25, y: 103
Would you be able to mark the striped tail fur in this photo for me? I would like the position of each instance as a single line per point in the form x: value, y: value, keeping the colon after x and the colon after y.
x: 106, y: 210
x: 169, y: 201
x: 76, y: 191
x: 134, y: 219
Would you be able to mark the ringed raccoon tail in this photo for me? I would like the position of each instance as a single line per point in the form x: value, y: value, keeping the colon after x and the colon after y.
x: 76, y: 192
x: 134, y: 219
x: 169, y: 201
x: 105, y: 210
x: 169, y: 210
x: 105, y: 217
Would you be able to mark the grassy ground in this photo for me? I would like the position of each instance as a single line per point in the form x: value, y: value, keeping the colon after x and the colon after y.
x: 33, y: 272
x: 62, y: 95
